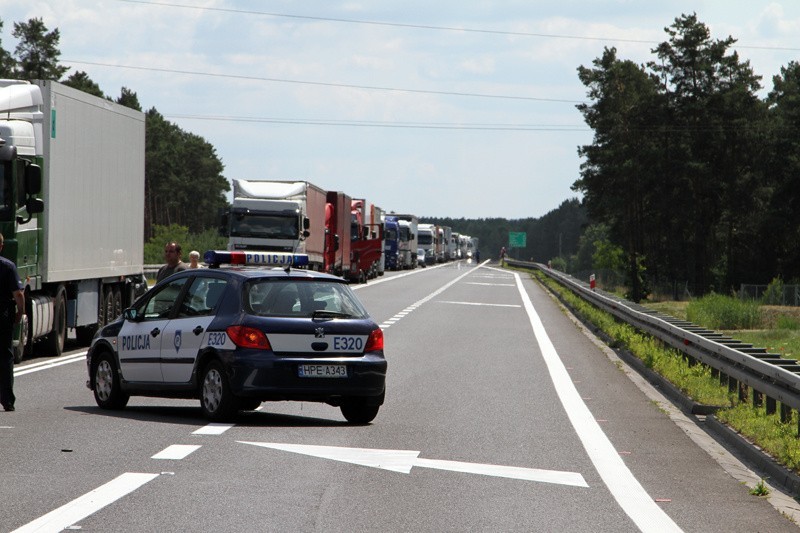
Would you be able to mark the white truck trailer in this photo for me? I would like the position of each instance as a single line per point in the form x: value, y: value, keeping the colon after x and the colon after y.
x: 72, y: 213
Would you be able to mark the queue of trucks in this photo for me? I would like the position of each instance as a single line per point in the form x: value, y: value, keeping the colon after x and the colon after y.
x: 344, y: 236
x: 72, y: 168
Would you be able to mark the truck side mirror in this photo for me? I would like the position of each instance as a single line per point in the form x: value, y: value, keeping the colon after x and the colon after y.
x: 33, y: 180
x: 306, y: 234
x: 306, y: 223
x: 336, y: 246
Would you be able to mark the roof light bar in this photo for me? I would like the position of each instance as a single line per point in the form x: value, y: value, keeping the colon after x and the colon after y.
x: 215, y: 258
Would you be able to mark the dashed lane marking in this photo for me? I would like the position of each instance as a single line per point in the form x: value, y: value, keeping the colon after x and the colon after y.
x: 176, y: 452
x: 214, y: 428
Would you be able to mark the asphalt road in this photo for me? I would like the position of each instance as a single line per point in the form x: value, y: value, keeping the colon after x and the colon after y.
x: 501, y: 415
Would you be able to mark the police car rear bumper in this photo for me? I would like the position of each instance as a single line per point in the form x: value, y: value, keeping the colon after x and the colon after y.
x: 253, y: 375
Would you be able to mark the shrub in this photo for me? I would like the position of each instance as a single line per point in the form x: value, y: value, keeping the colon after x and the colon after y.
x: 774, y: 293
x: 716, y: 311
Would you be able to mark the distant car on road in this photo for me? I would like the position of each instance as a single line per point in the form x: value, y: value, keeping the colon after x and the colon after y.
x: 234, y: 337
x: 421, y: 257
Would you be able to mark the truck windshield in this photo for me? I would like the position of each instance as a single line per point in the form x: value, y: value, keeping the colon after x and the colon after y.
x: 424, y: 238
x: 264, y: 226
x: 390, y: 234
x: 404, y: 234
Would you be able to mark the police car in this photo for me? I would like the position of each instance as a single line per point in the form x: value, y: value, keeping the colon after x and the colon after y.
x: 237, y: 336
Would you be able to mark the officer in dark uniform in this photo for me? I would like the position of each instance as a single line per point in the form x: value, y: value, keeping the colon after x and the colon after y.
x: 12, y: 307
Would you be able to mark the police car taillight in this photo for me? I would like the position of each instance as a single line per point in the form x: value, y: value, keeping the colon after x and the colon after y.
x: 247, y: 337
x: 375, y: 341
x: 215, y: 258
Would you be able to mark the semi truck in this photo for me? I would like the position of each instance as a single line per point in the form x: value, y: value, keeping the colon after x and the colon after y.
x: 407, y: 240
x: 71, y: 210
x: 426, y: 240
x: 376, y: 217
x: 391, y: 246
x: 290, y: 216
x: 278, y: 216
x: 366, y: 241
x: 337, y: 234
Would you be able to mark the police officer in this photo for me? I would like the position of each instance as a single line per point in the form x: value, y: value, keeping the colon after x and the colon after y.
x: 12, y: 306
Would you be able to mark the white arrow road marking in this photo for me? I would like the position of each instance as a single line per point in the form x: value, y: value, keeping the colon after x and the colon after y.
x: 403, y: 460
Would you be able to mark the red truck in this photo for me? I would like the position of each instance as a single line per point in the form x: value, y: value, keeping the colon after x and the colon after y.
x: 366, y: 241
x: 337, y: 234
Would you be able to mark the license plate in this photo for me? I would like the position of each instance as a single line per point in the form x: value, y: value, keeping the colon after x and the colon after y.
x: 322, y: 371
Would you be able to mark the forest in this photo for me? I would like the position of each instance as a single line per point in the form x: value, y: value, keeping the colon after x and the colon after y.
x: 691, y: 178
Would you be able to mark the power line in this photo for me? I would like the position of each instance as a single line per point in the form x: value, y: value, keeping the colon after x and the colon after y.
x: 432, y: 27
x: 323, y: 84
x: 384, y: 124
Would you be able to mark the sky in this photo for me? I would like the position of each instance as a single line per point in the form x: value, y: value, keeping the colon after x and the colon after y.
x: 446, y: 108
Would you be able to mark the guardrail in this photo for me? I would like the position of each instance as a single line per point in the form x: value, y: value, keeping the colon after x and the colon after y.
x: 771, y: 378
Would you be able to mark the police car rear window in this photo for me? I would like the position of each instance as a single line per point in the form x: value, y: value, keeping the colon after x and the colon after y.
x: 301, y: 298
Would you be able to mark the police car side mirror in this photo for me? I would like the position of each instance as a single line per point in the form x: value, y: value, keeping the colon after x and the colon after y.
x: 131, y: 314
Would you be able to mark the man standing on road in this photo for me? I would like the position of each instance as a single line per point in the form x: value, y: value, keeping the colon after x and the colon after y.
x: 12, y: 306
x: 172, y: 255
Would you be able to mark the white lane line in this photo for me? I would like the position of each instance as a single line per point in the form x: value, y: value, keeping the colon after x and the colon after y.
x: 625, y: 488
x: 478, y: 303
x: 44, y: 365
x: 214, y: 428
x: 490, y: 284
x: 88, y: 504
x: 176, y: 451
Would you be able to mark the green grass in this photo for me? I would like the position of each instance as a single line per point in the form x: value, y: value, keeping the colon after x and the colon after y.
x: 716, y: 311
x: 779, y: 439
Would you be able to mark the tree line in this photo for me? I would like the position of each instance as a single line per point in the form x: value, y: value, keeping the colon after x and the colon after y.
x: 694, y: 176
x: 690, y: 176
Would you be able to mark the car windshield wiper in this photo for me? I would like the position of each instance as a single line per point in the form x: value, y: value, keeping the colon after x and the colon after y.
x: 321, y: 313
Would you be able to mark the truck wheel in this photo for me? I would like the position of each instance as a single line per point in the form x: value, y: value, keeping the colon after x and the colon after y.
x: 117, y: 301
x: 216, y: 399
x: 108, y: 305
x: 55, y: 339
x: 107, y: 392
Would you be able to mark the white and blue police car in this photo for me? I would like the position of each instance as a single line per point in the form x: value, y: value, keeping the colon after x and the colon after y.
x: 237, y: 336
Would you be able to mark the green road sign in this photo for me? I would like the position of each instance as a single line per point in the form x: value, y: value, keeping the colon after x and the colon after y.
x: 516, y: 239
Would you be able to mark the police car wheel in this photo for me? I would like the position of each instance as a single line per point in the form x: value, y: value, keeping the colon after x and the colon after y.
x: 216, y: 399
x: 107, y: 392
x: 359, y: 411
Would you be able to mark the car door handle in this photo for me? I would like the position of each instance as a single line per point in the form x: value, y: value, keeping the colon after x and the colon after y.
x: 198, y: 330
x: 155, y: 332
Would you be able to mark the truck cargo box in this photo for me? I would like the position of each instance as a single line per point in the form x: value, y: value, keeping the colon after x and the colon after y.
x: 93, y: 181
